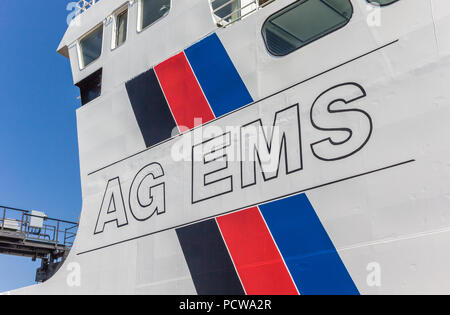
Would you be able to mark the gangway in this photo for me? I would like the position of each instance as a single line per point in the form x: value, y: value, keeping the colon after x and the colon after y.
x: 32, y: 234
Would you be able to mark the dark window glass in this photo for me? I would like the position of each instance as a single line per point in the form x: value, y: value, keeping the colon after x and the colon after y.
x: 91, y: 46
x: 263, y: 2
x: 304, y: 22
x: 382, y: 2
x: 121, y: 28
x: 91, y: 87
x: 153, y: 10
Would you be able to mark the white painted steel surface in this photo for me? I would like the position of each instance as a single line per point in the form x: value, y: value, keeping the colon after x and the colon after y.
x: 389, y: 203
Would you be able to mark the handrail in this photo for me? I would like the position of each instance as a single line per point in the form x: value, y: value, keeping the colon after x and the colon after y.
x: 36, y: 216
x: 53, y: 231
x: 239, y: 9
x: 84, y: 5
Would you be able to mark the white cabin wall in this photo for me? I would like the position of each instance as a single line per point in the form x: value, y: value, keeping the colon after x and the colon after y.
x: 107, y: 127
x: 186, y: 23
x: 265, y: 74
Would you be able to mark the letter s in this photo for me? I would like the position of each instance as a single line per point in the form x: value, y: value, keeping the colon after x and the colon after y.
x: 330, y: 112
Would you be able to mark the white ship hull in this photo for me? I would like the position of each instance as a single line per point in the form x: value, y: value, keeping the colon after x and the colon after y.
x: 355, y: 201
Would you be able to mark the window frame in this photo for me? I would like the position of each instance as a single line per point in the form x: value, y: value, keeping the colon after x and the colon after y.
x: 82, y: 83
x: 316, y: 39
x: 80, y: 50
x: 116, y: 14
x: 373, y: 2
x: 224, y: 5
x: 141, y: 29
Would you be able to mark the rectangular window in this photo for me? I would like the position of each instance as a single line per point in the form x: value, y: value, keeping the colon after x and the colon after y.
x: 91, y: 87
x: 227, y: 10
x: 91, y: 47
x: 304, y: 22
x: 151, y: 11
x: 121, y: 28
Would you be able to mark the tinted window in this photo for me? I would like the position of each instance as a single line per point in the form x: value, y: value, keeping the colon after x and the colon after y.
x: 91, y: 46
x: 121, y: 28
x: 153, y: 10
x: 91, y: 87
x: 382, y: 2
x: 304, y: 22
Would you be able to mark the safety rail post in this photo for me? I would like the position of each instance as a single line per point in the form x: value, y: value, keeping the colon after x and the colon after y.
x: 26, y: 224
x: 65, y: 233
x: 57, y: 233
x: 22, y: 222
x: 4, y: 217
x: 69, y: 235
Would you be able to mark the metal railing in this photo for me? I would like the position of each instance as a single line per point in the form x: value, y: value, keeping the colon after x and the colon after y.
x: 53, y: 231
x: 228, y: 12
x: 84, y: 5
x: 238, y: 9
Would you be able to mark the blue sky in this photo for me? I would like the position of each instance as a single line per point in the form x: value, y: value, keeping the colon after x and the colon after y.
x: 39, y: 166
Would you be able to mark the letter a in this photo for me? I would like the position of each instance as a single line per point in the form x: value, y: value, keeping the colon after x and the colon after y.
x: 112, y: 208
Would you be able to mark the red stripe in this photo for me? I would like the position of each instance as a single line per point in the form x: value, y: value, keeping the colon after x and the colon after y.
x: 183, y: 92
x: 255, y: 255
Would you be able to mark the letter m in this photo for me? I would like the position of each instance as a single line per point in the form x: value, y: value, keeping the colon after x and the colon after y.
x: 256, y: 149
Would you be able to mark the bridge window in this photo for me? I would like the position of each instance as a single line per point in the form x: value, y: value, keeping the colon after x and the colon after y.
x: 91, y: 87
x: 382, y: 2
x: 90, y: 47
x: 121, y: 26
x: 304, y: 22
x: 151, y: 11
x: 226, y: 12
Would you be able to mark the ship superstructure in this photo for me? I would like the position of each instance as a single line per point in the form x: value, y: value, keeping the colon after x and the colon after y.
x: 260, y: 147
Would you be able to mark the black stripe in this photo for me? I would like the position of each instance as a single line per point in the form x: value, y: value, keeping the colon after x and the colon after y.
x: 208, y: 260
x: 150, y: 108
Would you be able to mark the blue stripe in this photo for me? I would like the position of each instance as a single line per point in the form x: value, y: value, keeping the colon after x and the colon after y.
x: 219, y: 79
x: 306, y: 247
